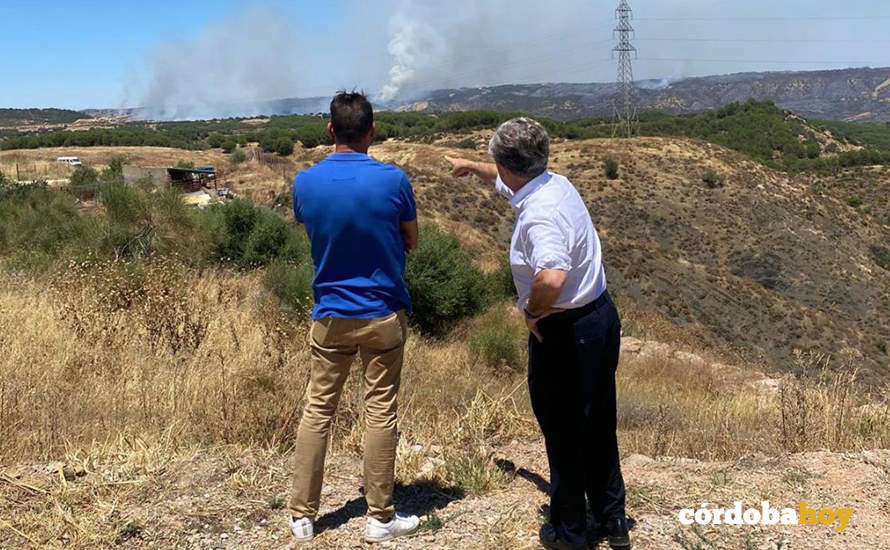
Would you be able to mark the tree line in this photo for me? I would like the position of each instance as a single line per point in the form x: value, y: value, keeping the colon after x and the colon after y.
x: 758, y: 129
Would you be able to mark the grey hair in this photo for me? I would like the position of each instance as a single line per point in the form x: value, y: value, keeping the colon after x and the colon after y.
x: 522, y: 146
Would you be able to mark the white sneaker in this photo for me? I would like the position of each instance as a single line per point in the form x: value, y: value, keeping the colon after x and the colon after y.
x: 399, y: 526
x: 302, y: 529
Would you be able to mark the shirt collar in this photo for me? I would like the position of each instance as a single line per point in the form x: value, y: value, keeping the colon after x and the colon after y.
x: 347, y: 157
x: 526, y: 190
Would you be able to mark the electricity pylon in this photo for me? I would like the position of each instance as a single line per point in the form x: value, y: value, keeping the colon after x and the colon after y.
x: 624, y: 108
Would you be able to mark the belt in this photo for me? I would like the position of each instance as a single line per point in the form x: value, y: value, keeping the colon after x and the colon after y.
x: 571, y: 315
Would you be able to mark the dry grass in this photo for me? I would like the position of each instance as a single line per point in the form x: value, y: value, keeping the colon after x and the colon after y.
x: 123, y: 383
x: 28, y: 169
x: 686, y: 409
x: 207, y: 360
x: 203, y: 360
x: 101, y: 155
x: 118, y: 382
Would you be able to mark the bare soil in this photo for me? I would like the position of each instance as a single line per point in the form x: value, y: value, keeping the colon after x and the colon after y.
x: 228, y: 498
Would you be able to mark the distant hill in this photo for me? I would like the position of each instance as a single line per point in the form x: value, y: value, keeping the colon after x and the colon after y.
x: 286, y: 106
x: 24, y: 117
x: 847, y: 94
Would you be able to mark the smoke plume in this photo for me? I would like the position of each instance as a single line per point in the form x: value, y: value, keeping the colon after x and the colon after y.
x: 413, y: 46
x: 436, y: 44
x: 230, y: 69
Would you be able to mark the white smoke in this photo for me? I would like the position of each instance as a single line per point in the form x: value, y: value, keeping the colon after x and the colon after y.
x: 436, y: 44
x: 415, y: 47
x: 653, y: 84
x: 230, y: 68
x: 409, y: 46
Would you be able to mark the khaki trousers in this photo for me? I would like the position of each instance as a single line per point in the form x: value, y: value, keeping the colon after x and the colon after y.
x: 334, y: 343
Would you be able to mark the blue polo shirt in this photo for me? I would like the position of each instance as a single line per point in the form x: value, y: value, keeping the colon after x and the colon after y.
x: 352, y: 206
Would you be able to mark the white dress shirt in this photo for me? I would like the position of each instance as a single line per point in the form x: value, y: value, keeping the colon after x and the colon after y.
x: 554, y: 231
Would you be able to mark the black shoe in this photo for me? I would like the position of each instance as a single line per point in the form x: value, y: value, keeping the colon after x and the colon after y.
x: 617, y: 533
x: 596, y: 533
x: 551, y: 539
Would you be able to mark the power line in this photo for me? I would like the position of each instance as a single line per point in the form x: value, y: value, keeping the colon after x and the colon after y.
x: 681, y: 19
x: 775, y: 62
x: 763, y: 40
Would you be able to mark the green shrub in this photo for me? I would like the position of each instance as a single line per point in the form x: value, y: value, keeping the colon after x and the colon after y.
x: 249, y: 236
x: 284, y: 146
x: 271, y: 238
x: 467, y: 143
x: 291, y: 284
x: 611, y: 166
x: 313, y: 136
x: 39, y: 225
x: 237, y: 156
x: 215, y: 140
x: 855, y: 201
x: 139, y: 224
x: 228, y: 145
x: 266, y: 241
x: 498, y: 341
x: 500, y: 283
x: 238, y: 218
x: 813, y: 149
x: 474, y: 472
x: 881, y: 255
x: 181, y: 230
x: 129, y: 530
x: 444, y: 283
x: 712, y: 179
x: 84, y: 182
x: 123, y: 204
x: 185, y: 164
x: 115, y: 171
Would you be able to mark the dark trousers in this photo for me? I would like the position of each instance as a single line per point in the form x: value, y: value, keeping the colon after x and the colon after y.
x: 571, y: 380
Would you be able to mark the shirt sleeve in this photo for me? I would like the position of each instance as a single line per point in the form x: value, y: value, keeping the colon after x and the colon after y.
x: 298, y: 209
x: 407, y: 206
x: 546, y: 245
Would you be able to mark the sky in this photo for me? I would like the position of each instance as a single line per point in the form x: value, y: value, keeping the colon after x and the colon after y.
x: 108, y: 54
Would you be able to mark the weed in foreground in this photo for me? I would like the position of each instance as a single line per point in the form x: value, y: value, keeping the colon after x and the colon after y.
x: 475, y: 473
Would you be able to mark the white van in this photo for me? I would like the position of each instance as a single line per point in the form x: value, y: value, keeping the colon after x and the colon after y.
x: 70, y: 161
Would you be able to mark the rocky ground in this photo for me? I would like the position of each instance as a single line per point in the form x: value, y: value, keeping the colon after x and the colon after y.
x: 227, y: 500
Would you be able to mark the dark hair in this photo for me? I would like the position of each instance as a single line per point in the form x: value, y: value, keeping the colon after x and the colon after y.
x: 351, y: 116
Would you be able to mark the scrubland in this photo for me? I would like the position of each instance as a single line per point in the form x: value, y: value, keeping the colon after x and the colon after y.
x: 154, y: 362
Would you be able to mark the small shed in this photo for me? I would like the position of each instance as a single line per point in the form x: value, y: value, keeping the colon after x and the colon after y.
x: 192, y: 179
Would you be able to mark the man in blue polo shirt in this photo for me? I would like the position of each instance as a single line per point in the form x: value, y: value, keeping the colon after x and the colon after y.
x: 361, y: 220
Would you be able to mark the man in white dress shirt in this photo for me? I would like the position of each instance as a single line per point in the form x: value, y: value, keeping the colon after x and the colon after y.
x: 575, y: 335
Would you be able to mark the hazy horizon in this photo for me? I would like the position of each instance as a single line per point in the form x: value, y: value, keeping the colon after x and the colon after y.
x: 216, y: 53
